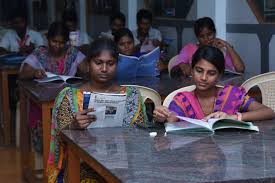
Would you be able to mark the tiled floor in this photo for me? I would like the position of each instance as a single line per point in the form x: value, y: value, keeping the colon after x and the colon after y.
x: 10, y: 165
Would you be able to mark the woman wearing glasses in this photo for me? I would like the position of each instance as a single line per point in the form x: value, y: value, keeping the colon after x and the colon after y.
x: 205, y: 31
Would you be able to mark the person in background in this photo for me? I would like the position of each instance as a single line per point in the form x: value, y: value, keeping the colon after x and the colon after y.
x: 59, y: 58
x: 20, y: 38
x: 125, y: 42
x: 146, y: 37
x: 208, y: 100
x: 117, y: 21
x: 205, y: 31
x: 77, y: 38
x: 68, y: 112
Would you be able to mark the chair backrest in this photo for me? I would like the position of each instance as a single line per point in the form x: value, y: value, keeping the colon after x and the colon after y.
x: 266, y: 83
x: 148, y: 93
x: 170, y: 97
x: 172, y: 63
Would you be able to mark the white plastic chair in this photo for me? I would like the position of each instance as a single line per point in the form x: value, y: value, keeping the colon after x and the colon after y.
x: 148, y: 93
x: 170, y: 97
x: 266, y: 83
x: 171, y: 63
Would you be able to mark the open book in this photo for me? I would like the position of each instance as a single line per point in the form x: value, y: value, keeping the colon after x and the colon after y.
x: 54, y: 77
x: 145, y: 65
x: 195, y: 125
x: 109, y: 109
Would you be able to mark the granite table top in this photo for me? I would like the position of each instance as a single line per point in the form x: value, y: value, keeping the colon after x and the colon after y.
x: 138, y: 155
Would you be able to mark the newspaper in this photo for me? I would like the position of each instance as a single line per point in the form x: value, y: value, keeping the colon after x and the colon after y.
x: 109, y: 109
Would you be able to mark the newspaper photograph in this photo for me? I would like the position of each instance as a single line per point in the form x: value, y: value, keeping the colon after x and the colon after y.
x: 109, y: 109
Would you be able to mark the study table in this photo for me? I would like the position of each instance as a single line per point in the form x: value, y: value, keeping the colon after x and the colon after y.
x: 133, y: 155
x: 6, y: 70
x: 44, y: 95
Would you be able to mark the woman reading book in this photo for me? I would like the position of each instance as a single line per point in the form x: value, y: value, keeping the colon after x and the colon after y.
x: 205, y: 31
x: 68, y: 112
x: 208, y: 100
x: 125, y: 42
x: 58, y: 57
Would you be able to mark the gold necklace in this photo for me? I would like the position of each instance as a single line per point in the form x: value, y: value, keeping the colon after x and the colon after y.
x: 212, y: 108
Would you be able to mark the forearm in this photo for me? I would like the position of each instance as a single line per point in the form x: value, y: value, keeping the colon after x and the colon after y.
x: 263, y: 113
x: 82, y: 69
x: 185, y: 68
x: 27, y: 72
x: 236, y: 59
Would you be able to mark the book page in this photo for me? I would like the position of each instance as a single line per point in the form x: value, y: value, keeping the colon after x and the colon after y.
x: 49, y: 74
x: 195, y: 121
x: 127, y: 67
x: 66, y: 78
x: 109, y: 109
x: 184, y: 126
x: 148, y: 65
x: 230, y: 123
x: 49, y: 77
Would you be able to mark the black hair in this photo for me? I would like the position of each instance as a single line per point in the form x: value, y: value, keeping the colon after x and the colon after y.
x: 100, y: 45
x: 211, y: 54
x: 202, y: 23
x: 118, y: 15
x: 58, y: 29
x: 69, y: 15
x: 123, y: 32
x: 19, y: 14
x: 144, y: 14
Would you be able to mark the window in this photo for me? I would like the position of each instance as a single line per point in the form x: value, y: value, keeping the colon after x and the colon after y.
x: 170, y: 8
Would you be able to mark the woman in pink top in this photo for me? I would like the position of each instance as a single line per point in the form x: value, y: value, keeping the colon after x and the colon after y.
x: 205, y: 32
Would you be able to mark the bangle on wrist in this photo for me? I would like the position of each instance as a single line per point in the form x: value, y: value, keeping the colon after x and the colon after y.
x: 239, y: 116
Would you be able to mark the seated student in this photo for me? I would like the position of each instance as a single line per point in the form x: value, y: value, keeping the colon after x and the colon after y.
x: 20, y: 38
x: 77, y: 38
x: 125, y: 42
x: 146, y: 37
x: 57, y: 58
x: 117, y: 21
x: 68, y: 111
x: 205, y: 32
x: 208, y: 100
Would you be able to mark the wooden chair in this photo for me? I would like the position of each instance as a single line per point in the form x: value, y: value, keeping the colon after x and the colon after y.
x: 172, y: 63
x: 266, y: 84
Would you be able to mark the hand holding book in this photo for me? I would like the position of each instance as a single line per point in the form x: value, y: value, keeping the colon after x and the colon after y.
x: 82, y: 119
x: 39, y: 74
x: 163, y: 114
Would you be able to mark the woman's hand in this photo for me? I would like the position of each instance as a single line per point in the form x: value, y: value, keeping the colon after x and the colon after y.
x: 162, y: 114
x: 180, y: 70
x: 220, y: 114
x: 83, y: 119
x: 219, y: 43
x: 39, y: 74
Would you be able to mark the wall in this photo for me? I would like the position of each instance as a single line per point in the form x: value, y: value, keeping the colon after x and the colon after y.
x: 247, y: 45
x: 187, y: 34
